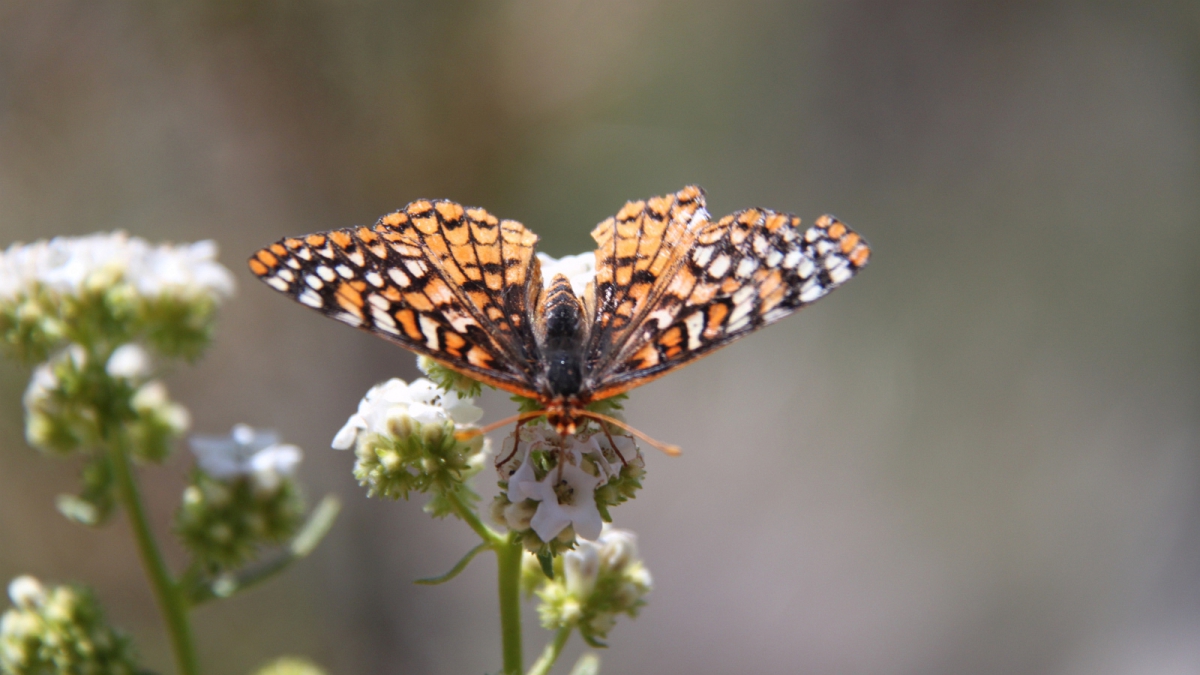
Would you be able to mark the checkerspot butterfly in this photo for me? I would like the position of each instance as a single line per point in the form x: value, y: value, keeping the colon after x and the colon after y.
x: 464, y: 288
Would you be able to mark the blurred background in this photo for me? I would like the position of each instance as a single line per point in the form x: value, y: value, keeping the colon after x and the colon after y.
x: 980, y: 456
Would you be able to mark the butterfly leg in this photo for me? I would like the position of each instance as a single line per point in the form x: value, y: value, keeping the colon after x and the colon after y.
x: 516, y: 446
x: 613, y: 443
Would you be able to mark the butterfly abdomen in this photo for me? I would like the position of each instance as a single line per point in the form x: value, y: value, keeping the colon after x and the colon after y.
x: 562, y: 331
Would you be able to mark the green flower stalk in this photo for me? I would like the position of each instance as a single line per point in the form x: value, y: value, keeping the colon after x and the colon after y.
x: 60, y: 630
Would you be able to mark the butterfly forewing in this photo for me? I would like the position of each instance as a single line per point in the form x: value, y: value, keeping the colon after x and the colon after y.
x: 743, y: 272
x: 449, y: 282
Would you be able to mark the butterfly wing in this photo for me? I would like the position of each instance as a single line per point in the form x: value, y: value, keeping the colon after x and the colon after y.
x: 636, y: 252
x: 455, y: 284
x: 724, y: 280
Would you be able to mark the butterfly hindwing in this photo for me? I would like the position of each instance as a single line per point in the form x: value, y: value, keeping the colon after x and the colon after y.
x: 453, y: 283
x: 743, y: 272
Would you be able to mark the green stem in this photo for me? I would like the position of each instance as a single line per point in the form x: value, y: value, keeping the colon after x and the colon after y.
x: 508, y: 562
x: 550, y: 654
x: 492, y: 537
x: 169, y: 595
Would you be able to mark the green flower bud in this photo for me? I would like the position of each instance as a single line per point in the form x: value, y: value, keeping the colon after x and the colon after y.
x: 224, y: 522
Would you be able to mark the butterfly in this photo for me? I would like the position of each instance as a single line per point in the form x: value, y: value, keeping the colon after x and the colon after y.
x: 464, y: 288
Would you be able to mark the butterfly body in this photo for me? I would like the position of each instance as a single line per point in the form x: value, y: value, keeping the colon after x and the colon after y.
x: 464, y: 288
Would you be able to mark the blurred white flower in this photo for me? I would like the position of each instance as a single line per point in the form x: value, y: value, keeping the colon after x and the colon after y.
x: 152, y: 399
x: 579, y: 269
x: 421, y: 401
x: 26, y: 592
x: 581, y: 565
x: 131, y: 362
x: 72, y: 265
x: 250, y: 452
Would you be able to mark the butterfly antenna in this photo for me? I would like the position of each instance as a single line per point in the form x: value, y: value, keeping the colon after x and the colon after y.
x: 672, y: 450
x: 467, y: 434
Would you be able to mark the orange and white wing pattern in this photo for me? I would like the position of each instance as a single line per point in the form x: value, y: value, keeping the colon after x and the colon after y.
x: 453, y: 283
x: 739, y: 274
x: 636, y: 253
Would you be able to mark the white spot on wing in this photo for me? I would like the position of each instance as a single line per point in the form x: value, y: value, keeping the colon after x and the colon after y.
x: 746, y: 267
x: 313, y: 281
x: 719, y: 267
x: 286, y: 275
x: 702, y: 255
x: 378, y: 301
x: 278, y: 284
x: 458, y: 320
x: 399, y: 277
x: 416, y: 267
x: 694, y: 325
x: 773, y: 258
x: 326, y: 273
x: 310, y: 298
x: 346, y: 272
x: 806, y: 268
x: 662, y: 317
x: 811, y: 290
x: 383, y: 320
x: 374, y: 279
x: 429, y: 329
x: 840, y: 275
x: 356, y: 258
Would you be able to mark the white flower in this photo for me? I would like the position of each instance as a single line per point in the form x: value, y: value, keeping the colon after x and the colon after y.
x: 246, y: 452
x: 562, y: 501
x: 579, y: 269
x: 581, y: 567
x: 41, y: 384
x: 130, y: 362
x: 421, y: 402
x: 72, y: 265
x: 618, y: 548
x: 152, y: 398
x: 26, y: 592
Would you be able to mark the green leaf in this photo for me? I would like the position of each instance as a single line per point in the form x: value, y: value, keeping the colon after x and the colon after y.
x: 546, y: 560
x: 456, y: 570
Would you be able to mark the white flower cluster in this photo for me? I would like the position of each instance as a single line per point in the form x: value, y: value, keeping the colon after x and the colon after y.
x: 579, y: 269
x: 247, y: 452
x: 563, y: 496
x: 421, y: 401
x: 599, y: 580
x: 73, y: 265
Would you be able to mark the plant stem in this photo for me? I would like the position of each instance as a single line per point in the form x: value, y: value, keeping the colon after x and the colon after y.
x: 550, y: 654
x: 169, y: 595
x: 492, y: 537
x: 508, y: 563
